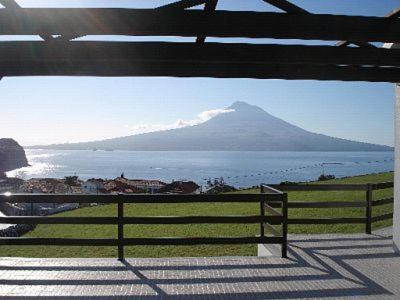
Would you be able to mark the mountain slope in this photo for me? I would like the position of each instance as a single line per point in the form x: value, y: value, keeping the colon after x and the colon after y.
x: 248, y: 128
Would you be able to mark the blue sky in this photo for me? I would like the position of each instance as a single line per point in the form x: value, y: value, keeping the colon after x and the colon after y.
x: 43, y: 110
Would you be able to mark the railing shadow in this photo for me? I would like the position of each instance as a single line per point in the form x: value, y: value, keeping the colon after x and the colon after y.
x: 313, y: 270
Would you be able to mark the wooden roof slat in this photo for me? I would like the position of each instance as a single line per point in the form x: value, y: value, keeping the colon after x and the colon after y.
x: 121, y: 68
x: 9, y: 4
x: 393, y: 14
x: 209, y: 8
x: 294, y: 9
x: 208, y: 53
x: 287, y: 6
x: 14, y: 5
x: 178, y: 5
x: 189, y: 60
x: 193, y: 22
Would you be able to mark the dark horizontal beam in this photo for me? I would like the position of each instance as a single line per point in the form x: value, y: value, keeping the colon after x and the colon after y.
x: 178, y: 5
x: 327, y: 221
x: 276, y: 71
x: 136, y: 198
x: 144, y: 220
x: 12, y: 4
x: 77, y: 22
x: 189, y: 52
x: 140, y: 241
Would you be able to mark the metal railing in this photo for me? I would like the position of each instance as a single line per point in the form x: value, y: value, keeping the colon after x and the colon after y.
x: 278, y: 219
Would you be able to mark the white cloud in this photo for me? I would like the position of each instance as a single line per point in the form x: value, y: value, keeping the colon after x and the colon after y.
x: 209, y: 114
x: 201, y: 118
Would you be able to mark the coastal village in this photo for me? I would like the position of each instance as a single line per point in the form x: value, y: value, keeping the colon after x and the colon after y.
x: 94, y: 186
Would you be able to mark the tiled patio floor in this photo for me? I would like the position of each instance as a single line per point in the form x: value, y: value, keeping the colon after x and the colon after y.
x: 320, y: 266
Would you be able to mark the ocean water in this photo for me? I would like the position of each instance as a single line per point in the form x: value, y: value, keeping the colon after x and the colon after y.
x: 240, y: 169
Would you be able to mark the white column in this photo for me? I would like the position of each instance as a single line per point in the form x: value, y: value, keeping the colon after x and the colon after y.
x: 396, y: 209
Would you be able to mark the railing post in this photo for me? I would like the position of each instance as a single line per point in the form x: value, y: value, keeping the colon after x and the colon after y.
x: 284, y: 224
x: 120, y: 228
x: 368, y: 198
x: 262, y: 214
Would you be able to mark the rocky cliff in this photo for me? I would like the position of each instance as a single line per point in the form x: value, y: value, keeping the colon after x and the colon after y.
x: 12, y: 156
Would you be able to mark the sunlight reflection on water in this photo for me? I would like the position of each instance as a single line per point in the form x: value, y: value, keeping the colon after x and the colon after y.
x: 37, y: 166
x: 240, y: 169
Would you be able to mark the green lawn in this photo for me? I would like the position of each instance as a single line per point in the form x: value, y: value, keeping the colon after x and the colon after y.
x: 110, y: 231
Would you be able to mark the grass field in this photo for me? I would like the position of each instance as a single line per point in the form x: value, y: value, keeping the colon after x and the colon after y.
x: 110, y: 231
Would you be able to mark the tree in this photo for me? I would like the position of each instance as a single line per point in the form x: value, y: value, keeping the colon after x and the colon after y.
x: 71, y: 180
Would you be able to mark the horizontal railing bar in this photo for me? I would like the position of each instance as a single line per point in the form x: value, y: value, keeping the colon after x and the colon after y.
x: 141, y: 241
x: 327, y: 204
x: 59, y: 220
x: 382, y: 217
x: 203, y: 220
x: 382, y: 185
x: 144, y: 220
x: 202, y: 241
x: 382, y: 201
x: 320, y: 187
x: 137, y: 198
x: 327, y: 221
x: 57, y: 242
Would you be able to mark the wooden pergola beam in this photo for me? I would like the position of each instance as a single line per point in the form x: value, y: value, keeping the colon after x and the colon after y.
x: 190, y: 60
x: 192, y: 23
x: 188, y: 52
x: 294, y: 9
x: 209, y: 8
x: 14, y: 5
x: 122, y: 68
x: 178, y: 5
x: 392, y: 15
x: 287, y: 6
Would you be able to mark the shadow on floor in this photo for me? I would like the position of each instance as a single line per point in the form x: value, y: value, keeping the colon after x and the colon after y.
x: 316, y: 268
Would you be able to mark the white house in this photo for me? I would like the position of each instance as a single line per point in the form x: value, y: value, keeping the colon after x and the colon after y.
x: 92, y: 186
